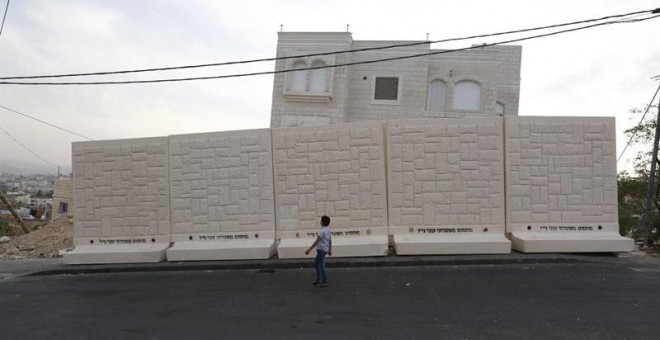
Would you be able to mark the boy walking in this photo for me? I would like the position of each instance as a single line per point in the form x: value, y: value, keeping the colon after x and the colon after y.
x: 323, y: 246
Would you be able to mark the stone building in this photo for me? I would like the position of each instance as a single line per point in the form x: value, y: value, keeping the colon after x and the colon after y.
x: 475, y: 83
x: 62, y: 198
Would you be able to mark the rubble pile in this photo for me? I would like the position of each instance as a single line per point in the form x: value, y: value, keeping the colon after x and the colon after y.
x: 44, y: 241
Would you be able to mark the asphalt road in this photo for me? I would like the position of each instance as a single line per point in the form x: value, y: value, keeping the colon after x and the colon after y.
x: 545, y: 301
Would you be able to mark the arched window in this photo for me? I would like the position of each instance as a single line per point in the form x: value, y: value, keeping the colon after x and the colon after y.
x: 299, y: 78
x: 437, y: 94
x: 499, y: 109
x: 467, y: 96
x: 317, y: 79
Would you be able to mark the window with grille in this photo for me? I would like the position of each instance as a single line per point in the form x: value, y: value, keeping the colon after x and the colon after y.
x: 387, y: 88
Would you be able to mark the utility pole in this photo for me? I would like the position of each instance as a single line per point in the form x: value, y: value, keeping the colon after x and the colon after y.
x: 648, y: 207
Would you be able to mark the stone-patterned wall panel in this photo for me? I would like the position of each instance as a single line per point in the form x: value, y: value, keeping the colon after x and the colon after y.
x: 334, y: 170
x: 561, y: 173
x: 221, y: 183
x: 121, y: 191
x: 446, y: 173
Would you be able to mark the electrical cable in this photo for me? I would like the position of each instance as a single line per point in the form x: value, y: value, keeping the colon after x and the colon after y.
x: 4, y: 17
x: 41, y: 121
x: 25, y: 147
x: 639, y: 124
x: 324, y: 66
x: 328, y: 53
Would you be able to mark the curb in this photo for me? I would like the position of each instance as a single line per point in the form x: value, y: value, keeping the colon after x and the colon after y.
x: 273, y: 264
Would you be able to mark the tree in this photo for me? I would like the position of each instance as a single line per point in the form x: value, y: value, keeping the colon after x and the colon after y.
x: 633, y: 188
x: 631, y: 196
x: 643, y: 134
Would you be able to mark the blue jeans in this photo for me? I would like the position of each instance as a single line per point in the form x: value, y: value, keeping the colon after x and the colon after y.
x: 319, y: 264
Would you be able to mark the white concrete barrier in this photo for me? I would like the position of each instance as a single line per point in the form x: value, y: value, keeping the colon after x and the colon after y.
x: 222, y: 196
x: 334, y: 170
x: 446, y: 186
x: 121, y: 199
x: 241, y: 194
x: 561, y: 185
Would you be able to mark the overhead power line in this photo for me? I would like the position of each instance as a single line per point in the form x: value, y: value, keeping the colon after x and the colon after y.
x: 4, y: 17
x: 47, y: 123
x: 25, y: 147
x: 648, y: 107
x: 325, y: 66
x: 327, y: 53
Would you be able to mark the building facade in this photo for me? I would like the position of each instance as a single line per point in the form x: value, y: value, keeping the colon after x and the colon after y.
x: 472, y: 83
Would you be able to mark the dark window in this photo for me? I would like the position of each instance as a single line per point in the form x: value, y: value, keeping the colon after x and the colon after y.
x: 387, y: 88
x: 64, y: 207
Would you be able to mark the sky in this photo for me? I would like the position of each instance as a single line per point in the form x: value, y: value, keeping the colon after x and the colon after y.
x: 603, y: 71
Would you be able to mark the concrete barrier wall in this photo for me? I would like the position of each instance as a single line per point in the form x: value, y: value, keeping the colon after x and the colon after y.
x: 446, y: 186
x: 222, y: 195
x: 561, y: 184
x: 121, y: 199
x: 334, y: 170
x: 235, y: 194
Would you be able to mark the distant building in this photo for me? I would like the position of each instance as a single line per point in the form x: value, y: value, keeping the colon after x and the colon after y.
x: 62, y: 198
x: 18, y: 197
x: 478, y: 82
x: 40, y: 200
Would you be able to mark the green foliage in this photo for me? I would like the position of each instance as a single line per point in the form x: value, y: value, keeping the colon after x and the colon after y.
x: 632, y: 189
x: 643, y: 134
x: 5, y: 229
x: 632, y: 192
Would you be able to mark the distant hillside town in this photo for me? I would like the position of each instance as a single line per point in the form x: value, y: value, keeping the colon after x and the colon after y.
x: 31, y: 196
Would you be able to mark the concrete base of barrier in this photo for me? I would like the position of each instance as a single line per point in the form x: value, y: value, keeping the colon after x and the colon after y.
x: 207, y: 251
x: 116, y: 254
x: 451, y: 244
x: 600, y: 242
x: 341, y: 247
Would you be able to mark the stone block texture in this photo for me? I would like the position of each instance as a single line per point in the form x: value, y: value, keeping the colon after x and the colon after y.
x: 121, y: 191
x: 495, y: 68
x: 349, y: 90
x: 334, y: 170
x: 306, y: 107
x: 221, y: 182
x: 446, y: 172
x: 560, y: 172
x: 412, y: 77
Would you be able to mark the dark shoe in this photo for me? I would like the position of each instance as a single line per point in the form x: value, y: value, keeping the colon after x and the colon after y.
x: 315, y: 283
x: 322, y: 285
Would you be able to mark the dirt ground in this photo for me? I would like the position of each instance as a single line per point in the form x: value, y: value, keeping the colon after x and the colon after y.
x: 45, y: 240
